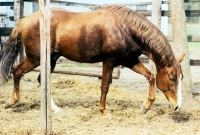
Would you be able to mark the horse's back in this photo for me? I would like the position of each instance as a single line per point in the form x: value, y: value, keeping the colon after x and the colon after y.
x: 88, y: 35
x: 79, y: 36
x: 30, y: 29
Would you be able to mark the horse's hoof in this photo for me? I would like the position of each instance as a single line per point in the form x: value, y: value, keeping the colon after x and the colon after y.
x: 57, y: 110
x: 144, y: 109
x: 8, y: 104
x: 107, y: 115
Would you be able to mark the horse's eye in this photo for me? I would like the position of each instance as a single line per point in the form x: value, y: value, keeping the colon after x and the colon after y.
x: 172, y: 79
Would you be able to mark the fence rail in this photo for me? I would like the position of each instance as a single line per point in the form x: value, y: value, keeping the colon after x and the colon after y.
x: 5, y: 31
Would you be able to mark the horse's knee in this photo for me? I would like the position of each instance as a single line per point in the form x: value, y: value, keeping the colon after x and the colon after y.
x: 104, y: 89
x: 152, y: 79
x: 17, y: 74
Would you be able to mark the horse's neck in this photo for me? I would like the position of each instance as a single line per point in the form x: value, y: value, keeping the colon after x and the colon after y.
x: 152, y: 41
x: 150, y: 56
x: 157, y: 55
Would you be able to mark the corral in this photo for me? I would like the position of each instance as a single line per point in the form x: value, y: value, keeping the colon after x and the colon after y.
x: 78, y: 96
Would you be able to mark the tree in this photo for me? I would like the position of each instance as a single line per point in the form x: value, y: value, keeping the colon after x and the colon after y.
x: 180, y: 43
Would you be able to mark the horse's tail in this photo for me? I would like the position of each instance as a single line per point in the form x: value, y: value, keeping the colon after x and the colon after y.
x: 9, y: 53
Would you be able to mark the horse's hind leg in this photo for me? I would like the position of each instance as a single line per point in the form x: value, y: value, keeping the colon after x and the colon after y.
x: 141, y: 69
x: 54, y: 58
x: 18, y: 71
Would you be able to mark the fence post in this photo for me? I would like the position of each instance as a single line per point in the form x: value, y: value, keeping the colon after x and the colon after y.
x: 45, y: 121
x: 180, y: 42
x: 155, y: 19
x: 18, y: 13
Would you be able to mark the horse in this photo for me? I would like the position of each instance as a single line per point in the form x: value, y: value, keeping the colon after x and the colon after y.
x: 114, y: 35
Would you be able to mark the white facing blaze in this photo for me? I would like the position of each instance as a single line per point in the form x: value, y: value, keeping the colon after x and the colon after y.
x: 179, y: 93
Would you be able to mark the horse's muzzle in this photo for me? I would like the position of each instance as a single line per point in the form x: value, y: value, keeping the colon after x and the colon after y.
x: 177, y: 108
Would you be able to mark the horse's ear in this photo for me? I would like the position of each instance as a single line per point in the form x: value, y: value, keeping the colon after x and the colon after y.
x: 181, y: 58
x: 169, y: 62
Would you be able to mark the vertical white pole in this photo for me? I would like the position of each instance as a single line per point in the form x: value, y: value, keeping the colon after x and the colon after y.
x: 18, y: 13
x: 45, y: 67
x: 164, y: 20
x: 156, y: 13
x: 155, y: 19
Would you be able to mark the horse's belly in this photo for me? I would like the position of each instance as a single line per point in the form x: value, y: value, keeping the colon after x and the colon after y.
x: 79, y: 49
x: 80, y: 54
x: 82, y: 58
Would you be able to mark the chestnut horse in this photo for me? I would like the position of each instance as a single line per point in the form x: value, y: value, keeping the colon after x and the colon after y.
x: 114, y: 35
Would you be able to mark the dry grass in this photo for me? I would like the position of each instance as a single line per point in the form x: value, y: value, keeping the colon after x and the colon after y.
x: 79, y: 99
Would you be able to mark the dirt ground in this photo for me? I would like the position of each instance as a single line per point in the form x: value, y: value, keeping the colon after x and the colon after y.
x: 78, y: 97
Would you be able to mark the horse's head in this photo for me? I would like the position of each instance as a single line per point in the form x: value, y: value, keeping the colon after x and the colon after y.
x: 168, y: 80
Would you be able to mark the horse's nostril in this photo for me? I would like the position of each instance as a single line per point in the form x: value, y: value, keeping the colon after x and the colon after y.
x: 176, y: 108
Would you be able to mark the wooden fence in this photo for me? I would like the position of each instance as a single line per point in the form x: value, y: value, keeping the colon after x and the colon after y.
x: 5, y: 31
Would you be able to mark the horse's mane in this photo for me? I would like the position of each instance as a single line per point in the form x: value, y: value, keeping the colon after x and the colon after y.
x: 149, y: 37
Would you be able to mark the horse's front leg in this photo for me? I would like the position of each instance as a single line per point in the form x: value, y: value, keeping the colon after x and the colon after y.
x: 106, y: 79
x: 141, y: 69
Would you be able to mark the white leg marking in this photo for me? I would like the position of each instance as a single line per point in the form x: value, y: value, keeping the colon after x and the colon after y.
x: 179, y: 93
x: 54, y: 107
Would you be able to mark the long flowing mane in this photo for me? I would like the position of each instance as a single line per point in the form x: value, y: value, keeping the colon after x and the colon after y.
x: 148, y: 36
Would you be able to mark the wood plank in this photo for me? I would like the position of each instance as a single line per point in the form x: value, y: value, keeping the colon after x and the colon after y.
x: 149, y: 12
x: 93, y: 72
x: 139, y: 3
x: 18, y: 9
x: 18, y: 12
x: 185, y: 1
x: 156, y: 20
x: 194, y: 13
x: 45, y: 119
x: 79, y: 4
x: 195, y: 62
x: 188, y: 13
x: 191, y: 1
x: 6, y: 3
x: 5, y: 31
x: 134, y: 4
x: 3, y: 14
x: 189, y: 38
